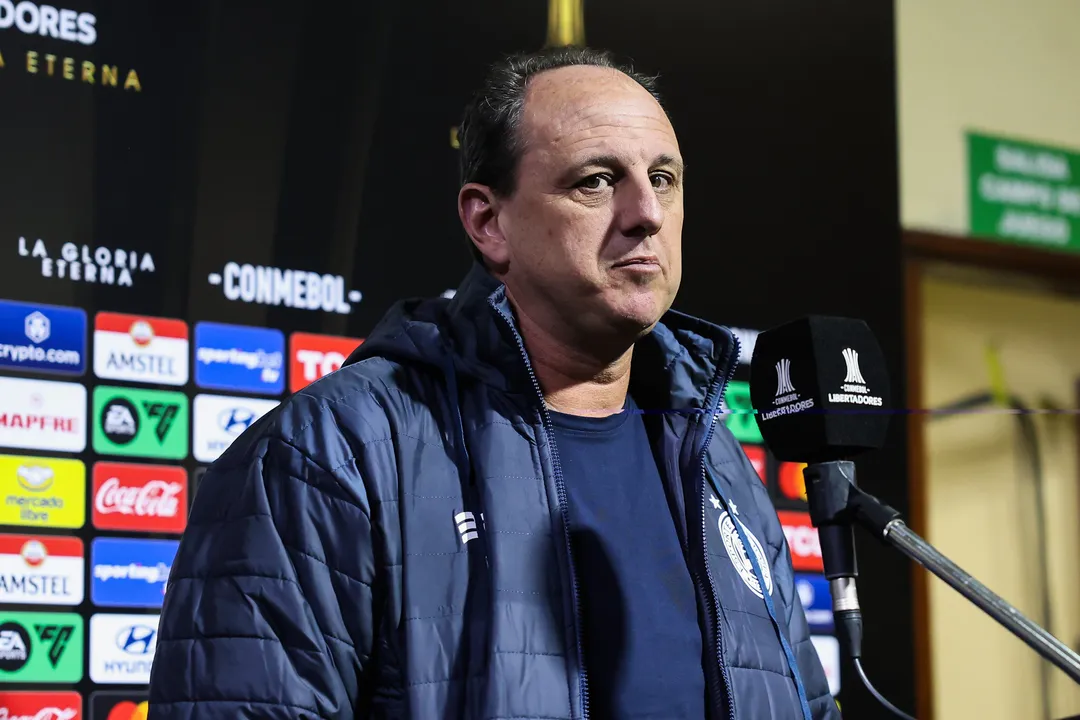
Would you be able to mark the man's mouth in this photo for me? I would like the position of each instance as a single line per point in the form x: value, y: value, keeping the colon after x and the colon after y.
x: 639, y: 260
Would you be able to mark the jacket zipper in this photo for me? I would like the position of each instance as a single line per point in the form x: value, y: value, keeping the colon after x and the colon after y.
x: 710, y: 586
x: 560, y: 488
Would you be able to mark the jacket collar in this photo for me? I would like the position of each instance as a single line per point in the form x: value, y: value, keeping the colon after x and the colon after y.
x: 676, y: 366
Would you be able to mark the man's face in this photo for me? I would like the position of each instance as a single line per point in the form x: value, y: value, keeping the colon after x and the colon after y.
x: 593, y: 231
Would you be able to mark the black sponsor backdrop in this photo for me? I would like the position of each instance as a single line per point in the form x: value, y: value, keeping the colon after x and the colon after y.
x: 317, y: 137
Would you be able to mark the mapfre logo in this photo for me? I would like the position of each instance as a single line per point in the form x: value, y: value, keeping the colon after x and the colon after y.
x: 803, y: 541
x: 41, y: 706
x: 314, y: 356
x: 45, y: 570
x: 140, y: 498
x: 42, y: 415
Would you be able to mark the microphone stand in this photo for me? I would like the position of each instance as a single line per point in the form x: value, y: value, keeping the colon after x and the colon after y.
x: 836, y: 502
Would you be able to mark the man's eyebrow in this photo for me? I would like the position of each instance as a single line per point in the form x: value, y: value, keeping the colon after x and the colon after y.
x: 676, y: 163
x: 612, y: 162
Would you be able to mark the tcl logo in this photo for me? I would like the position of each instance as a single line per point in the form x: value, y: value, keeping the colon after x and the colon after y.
x: 40, y: 706
x: 314, y: 356
x: 802, y: 538
x: 141, y: 498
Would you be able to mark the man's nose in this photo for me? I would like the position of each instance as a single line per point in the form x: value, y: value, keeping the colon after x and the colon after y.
x: 640, y: 212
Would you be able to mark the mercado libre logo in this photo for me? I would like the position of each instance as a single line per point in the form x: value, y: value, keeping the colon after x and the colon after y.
x: 50, y: 43
x: 42, y: 492
x: 140, y: 423
x: 41, y: 647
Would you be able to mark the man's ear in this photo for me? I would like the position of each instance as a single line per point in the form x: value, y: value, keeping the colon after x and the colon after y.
x: 478, y: 208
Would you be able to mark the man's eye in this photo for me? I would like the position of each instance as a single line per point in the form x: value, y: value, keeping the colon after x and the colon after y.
x: 661, y: 181
x: 595, y: 182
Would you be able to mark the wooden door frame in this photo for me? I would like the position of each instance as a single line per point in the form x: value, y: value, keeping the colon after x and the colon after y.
x: 1056, y: 272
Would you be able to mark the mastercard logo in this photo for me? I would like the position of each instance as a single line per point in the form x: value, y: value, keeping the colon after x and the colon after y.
x: 128, y: 710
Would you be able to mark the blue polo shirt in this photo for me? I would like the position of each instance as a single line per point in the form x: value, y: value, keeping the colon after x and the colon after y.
x: 643, y: 648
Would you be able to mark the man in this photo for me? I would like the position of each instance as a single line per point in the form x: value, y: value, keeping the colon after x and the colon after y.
x: 519, y: 503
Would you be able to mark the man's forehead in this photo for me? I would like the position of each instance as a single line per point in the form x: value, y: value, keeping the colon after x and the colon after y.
x: 573, y: 103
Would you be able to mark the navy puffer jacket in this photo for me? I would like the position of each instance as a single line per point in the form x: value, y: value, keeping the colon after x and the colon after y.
x: 330, y: 569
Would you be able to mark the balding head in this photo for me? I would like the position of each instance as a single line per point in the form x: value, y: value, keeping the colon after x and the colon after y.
x: 583, y: 218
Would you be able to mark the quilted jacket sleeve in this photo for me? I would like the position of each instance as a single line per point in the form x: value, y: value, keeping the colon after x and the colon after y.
x: 822, y: 705
x: 268, y: 612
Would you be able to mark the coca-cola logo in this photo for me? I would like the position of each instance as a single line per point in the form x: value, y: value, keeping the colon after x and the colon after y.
x: 157, y: 498
x: 140, y: 498
x: 46, y: 713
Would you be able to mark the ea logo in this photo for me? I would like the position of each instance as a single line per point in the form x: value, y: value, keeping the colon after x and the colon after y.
x: 739, y: 559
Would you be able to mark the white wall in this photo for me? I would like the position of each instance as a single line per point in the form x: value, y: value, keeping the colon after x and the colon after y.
x: 1009, y: 68
x: 1002, y: 67
x: 980, y: 494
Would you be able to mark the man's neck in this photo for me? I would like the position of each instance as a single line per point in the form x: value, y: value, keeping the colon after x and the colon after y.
x: 574, y: 381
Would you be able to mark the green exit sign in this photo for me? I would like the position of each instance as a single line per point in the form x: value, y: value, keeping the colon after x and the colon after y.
x: 1023, y: 193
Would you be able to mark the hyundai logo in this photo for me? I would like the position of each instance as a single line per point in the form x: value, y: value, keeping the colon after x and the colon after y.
x: 236, y: 420
x: 136, y: 639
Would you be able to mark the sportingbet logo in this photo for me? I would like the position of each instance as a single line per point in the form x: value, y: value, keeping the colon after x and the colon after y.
x: 130, y: 573
x: 237, y: 357
x: 140, y: 423
x: 315, y: 356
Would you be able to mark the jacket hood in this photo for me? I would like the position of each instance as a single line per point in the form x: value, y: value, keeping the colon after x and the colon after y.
x: 475, y: 332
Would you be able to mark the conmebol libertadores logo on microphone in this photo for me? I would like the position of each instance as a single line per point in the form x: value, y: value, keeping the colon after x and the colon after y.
x: 787, y: 399
x: 783, y: 378
x: 855, y: 390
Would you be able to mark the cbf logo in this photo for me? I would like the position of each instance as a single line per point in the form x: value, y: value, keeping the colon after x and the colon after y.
x: 737, y: 551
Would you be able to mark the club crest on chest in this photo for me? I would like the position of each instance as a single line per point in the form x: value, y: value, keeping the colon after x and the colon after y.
x: 736, y: 551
